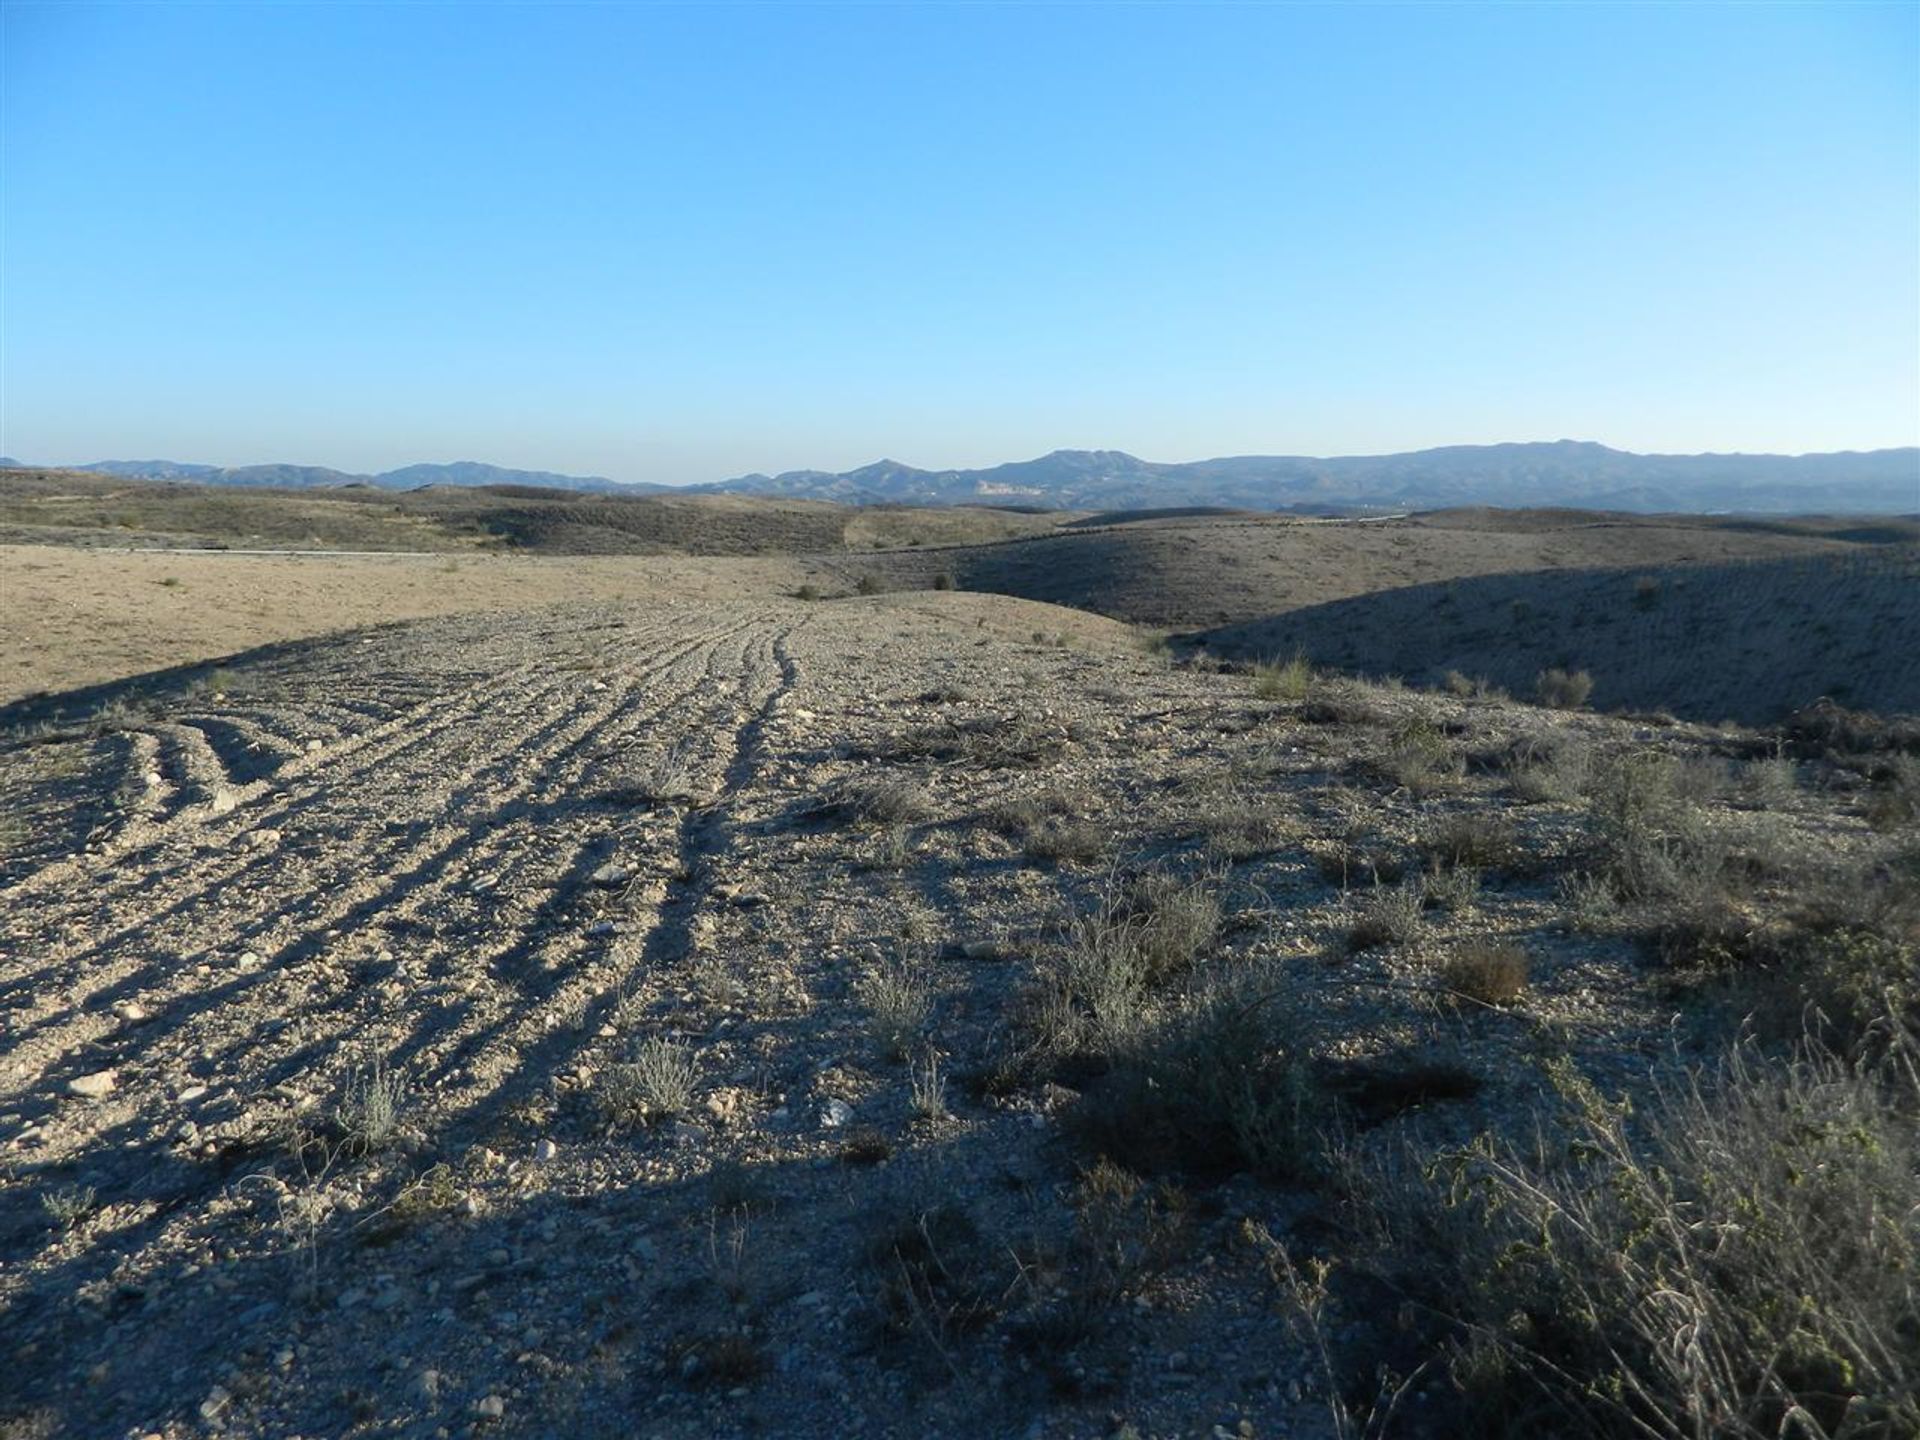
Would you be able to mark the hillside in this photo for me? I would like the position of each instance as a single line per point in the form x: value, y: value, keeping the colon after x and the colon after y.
x: 1194, y: 572
x: 88, y: 508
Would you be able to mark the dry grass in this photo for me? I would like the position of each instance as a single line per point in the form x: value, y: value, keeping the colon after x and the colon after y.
x: 1486, y: 972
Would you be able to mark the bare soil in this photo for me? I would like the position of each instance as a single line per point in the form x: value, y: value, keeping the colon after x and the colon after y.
x: 486, y: 858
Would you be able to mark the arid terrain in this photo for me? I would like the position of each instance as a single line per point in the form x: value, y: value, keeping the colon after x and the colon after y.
x: 574, y: 994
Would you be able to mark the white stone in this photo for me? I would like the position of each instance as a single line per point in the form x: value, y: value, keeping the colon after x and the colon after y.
x: 92, y: 1087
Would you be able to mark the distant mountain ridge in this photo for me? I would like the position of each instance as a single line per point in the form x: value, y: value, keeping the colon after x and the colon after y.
x: 1574, y: 473
x: 310, y: 477
x: 1557, y: 473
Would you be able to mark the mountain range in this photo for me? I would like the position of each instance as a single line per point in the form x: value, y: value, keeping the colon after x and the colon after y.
x: 1555, y: 473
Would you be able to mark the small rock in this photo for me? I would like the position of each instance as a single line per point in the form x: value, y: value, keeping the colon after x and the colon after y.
x: 215, y: 1405
x: 314, y: 747
x: 152, y: 777
x: 612, y: 873
x: 491, y: 1408
x: 192, y: 1093
x: 835, y: 1113
x: 132, y: 1011
x: 262, y: 838
x: 545, y: 1151
x: 223, y: 802
x: 250, y: 960
x: 92, y: 1087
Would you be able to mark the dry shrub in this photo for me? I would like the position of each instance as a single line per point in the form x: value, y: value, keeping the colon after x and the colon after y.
x: 1288, y: 681
x: 1487, y: 972
x: 1389, y: 915
x: 1559, y: 689
x: 1420, y: 758
x: 1741, y: 1261
x: 1244, y: 826
x: 885, y: 799
x: 1555, y: 769
x: 1209, y: 1085
x: 898, y: 998
x: 1470, y: 838
x: 1064, y: 839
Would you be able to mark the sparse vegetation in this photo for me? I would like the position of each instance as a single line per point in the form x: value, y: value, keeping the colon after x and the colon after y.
x: 1559, y: 689
x: 1486, y: 972
x: 657, y: 1082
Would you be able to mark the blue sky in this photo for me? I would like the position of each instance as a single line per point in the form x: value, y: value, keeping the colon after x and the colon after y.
x: 676, y: 244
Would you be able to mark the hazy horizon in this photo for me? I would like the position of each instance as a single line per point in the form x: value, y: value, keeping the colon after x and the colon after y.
x: 684, y: 244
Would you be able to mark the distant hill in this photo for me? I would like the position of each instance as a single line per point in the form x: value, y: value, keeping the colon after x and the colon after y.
x: 1557, y: 473
x: 1563, y: 472
x: 465, y: 473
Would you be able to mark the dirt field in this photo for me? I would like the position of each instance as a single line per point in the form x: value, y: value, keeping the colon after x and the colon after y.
x: 677, y: 1014
x: 78, y: 617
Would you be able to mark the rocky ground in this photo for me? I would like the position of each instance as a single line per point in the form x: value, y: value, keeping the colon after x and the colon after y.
x: 661, y: 1018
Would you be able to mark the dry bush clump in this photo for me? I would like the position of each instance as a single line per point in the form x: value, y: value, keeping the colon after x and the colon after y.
x: 1557, y: 768
x: 1742, y: 1260
x: 1472, y: 838
x: 657, y: 1083
x: 368, y: 1115
x: 934, y: 1276
x: 1487, y: 972
x: 997, y: 743
x: 1419, y: 758
x: 1343, y: 702
x: 1209, y: 1085
x: 669, y: 777
x: 1021, y: 811
x: 1388, y: 915
x: 1136, y: 938
x: 1559, y: 689
x: 1289, y: 681
x: 898, y: 999
x: 1244, y: 825
x: 1894, y: 801
x: 1454, y: 888
x: 1063, y: 839
x: 882, y: 799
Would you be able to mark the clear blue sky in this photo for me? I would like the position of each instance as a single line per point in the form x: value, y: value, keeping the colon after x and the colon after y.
x: 681, y: 243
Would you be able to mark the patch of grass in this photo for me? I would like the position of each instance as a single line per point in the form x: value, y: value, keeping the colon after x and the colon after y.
x: 898, y: 999
x: 936, y: 1278
x: 1419, y: 758
x: 669, y: 777
x: 1487, y: 972
x: 1555, y: 770
x: 1289, y: 681
x: 1454, y: 888
x: 1244, y: 825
